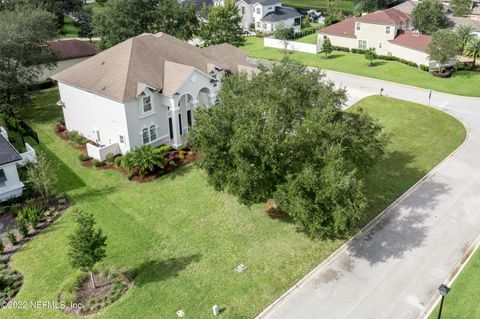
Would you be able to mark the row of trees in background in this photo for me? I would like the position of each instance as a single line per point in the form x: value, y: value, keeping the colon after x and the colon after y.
x: 283, y: 134
x: 123, y: 19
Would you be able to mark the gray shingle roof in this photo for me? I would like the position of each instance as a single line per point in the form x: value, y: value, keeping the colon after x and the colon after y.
x: 281, y: 13
x: 8, y: 153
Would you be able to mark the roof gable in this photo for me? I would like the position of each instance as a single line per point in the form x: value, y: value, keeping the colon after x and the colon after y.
x: 116, y: 72
x: 389, y: 16
x: 8, y: 153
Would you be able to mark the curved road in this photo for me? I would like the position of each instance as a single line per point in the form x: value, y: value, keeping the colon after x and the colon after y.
x: 394, y: 267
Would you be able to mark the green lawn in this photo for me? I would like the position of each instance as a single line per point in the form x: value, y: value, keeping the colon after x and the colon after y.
x: 184, y: 239
x: 463, y: 300
x: 344, y: 5
x: 461, y: 83
x: 69, y: 29
x: 311, y: 38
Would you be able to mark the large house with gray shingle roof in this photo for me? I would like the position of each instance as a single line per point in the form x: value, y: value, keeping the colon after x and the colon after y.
x: 389, y: 32
x: 267, y: 15
x: 143, y: 91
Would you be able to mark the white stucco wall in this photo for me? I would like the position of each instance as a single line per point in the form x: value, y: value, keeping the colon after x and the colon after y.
x: 291, y: 45
x: 339, y: 41
x: 13, y: 186
x: 408, y: 54
x: 86, y: 112
x: 61, y: 65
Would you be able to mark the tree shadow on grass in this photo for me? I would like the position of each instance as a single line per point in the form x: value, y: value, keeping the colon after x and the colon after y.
x: 158, y: 270
x: 67, y: 180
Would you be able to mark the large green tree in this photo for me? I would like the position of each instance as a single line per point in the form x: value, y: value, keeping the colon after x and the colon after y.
x: 24, y: 53
x: 123, y: 19
x: 84, y: 22
x: 283, y: 131
x: 223, y: 25
x: 429, y: 16
x: 87, y: 244
x: 444, y: 47
x: 461, y: 8
x: 178, y: 20
x: 60, y: 8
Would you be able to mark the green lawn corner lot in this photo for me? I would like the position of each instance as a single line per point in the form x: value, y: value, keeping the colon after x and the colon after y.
x: 463, y: 300
x: 184, y: 239
x: 462, y: 82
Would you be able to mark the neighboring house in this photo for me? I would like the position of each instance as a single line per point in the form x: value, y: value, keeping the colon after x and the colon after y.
x: 267, y: 15
x: 68, y: 53
x: 144, y: 91
x: 388, y: 31
x: 475, y: 24
x: 10, y: 184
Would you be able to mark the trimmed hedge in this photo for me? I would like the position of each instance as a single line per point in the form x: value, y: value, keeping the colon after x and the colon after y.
x: 40, y: 85
x: 304, y: 32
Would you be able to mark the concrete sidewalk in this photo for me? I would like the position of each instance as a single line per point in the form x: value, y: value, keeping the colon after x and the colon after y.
x: 394, y: 267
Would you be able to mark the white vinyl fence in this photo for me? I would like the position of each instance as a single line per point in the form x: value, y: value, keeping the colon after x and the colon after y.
x: 291, y: 45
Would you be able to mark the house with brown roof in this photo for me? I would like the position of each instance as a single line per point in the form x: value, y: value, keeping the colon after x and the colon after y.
x: 68, y: 53
x: 144, y: 91
x: 389, y: 32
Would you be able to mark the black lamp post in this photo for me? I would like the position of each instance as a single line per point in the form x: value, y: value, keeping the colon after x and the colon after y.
x: 381, y: 91
x: 443, y: 289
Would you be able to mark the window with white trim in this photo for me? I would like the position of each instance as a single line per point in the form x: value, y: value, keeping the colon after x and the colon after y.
x: 258, y: 10
x: 380, y: 45
x: 121, y: 139
x: 153, y: 132
x: 243, y: 10
x: 388, y: 29
x: 145, y: 136
x: 147, y: 104
x: 3, y: 178
x: 358, y: 26
x: 362, y: 44
x: 259, y: 24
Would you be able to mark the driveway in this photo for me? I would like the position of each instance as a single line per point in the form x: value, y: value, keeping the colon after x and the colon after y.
x: 394, y: 267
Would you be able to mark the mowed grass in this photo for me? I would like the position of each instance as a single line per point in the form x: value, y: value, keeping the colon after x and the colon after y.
x: 184, y: 239
x: 311, y: 38
x: 461, y: 83
x: 69, y: 29
x: 463, y: 300
x: 344, y: 5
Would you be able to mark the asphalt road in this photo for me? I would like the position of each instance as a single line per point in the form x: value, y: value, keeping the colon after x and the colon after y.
x: 394, y: 267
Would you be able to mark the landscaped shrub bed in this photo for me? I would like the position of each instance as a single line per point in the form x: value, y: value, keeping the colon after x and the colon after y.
x: 81, y: 298
x: 10, y: 283
x: 171, y: 159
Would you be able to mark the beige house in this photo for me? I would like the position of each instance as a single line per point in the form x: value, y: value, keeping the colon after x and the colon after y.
x: 388, y: 31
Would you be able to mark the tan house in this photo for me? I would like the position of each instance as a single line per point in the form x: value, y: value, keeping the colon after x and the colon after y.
x: 389, y: 32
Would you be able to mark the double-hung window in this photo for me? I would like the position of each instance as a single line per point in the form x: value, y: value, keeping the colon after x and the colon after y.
x: 388, y: 29
x: 358, y: 26
x: 145, y: 136
x: 153, y: 132
x: 147, y: 104
x: 362, y: 44
x: 149, y: 134
x: 3, y: 178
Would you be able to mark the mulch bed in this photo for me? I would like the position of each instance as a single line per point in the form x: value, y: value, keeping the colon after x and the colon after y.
x: 272, y: 210
x: 91, y: 300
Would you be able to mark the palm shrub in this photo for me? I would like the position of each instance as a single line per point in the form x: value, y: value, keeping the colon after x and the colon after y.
x: 472, y: 49
x: 22, y: 226
x: 31, y: 215
x: 465, y: 34
x: 12, y: 238
x: 145, y: 158
x: 370, y: 55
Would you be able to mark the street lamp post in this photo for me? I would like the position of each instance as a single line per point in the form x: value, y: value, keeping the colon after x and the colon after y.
x: 443, y: 289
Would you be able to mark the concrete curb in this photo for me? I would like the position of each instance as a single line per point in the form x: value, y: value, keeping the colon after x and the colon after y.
x: 374, y: 222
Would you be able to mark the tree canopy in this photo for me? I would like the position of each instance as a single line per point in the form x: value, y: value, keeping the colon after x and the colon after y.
x: 123, y: 19
x: 24, y: 53
x: 429, y: 16
x: 445, y: 45
x: 465, y: 34
x: 222, y: 25
x: 283, y: 134
x: 461, y: 8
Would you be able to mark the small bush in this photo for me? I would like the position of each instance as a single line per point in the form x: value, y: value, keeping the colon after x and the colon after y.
x: 59, y: 127
x: 33, y: 215
x: 110, y: 158
x: 2, y: 248
x: 82, y: 157
x: 337, y: 48
x: 97, y: 163
x: 359, y: 51
x: 72, y: 135
x: 118, y: 161
x: 424, y: 67
x: 22, y: 226
x: 12, y: 238
x: 80, y: 140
